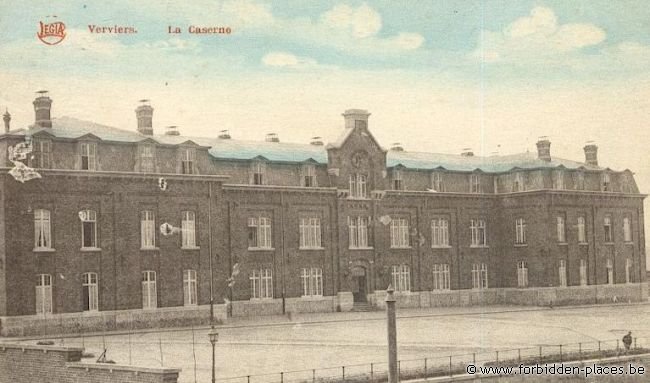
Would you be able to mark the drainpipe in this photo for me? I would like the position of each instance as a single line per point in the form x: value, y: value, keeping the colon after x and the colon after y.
x: 210, y: 253
x: 282, y: 260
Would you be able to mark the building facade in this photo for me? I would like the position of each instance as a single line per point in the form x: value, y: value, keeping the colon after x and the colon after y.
x: 131, y: 220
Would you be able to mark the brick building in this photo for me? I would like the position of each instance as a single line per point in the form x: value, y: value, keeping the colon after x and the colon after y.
x: 299, y: 227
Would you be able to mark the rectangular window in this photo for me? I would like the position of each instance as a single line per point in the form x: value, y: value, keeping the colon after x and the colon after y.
x: 610, y: 272
x: 474, y: 183
x: 479, y: 276
x: 558, y: 180
x: 89, y: 292
x: 518, y: 184
x: 399, y: 233
x: 310, y: 233
x: 583, y: 272
x: 560, y: 228
x: 358, y: 186
x: 358, y: 229
x: 308, y: 175
x: 401, y: 278
x: 520, y: 231
x: 187, y: 161
x: 188, y: 230
x: 398, y: 183
x: 147, y: 164
x: 41, y: 154
x: 312, y: 282
x: 189, y: 288
x: 478, y: 231
x: 441, y: 277
x: 628, y: 270
x: 149, y: 295
x: 580, y: 181
x: 88, y: 156
x: 259, y: 233
x: 437, y: 183
x: 258, y: 173
x: 627, y: 229
x: 42, y: 229
x: 582, y: 235
x: 261, y: 284
x: 562, y: 273
x: 440, y: 232
x: 43, y: 294
x: 88, y: 229
x: 607, y: 229
x: 605, y: 182
x: 522, y: 274
x: 147, y: 230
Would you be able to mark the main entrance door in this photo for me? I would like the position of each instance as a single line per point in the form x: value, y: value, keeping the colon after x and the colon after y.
x: 359, y: 284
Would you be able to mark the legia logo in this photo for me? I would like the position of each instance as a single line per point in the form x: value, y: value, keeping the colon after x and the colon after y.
x: 51, y: 33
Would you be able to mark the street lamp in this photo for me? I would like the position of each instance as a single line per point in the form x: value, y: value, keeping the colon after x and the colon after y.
x: 214, y: 337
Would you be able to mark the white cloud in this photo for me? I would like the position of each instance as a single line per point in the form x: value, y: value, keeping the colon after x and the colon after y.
x: 537, y: 36
x: 361, y: 22
x: 287, y: 60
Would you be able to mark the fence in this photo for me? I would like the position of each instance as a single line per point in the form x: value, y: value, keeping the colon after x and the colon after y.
x: 424, y: 368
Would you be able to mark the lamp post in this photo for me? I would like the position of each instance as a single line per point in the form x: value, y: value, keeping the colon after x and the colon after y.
x: 214, y: 337
x: 392, y: 335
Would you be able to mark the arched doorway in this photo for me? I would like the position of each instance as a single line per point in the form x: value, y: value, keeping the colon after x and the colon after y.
x: 359, y: 284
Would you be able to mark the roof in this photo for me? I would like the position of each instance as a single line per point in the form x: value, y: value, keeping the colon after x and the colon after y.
x: 72, y: 128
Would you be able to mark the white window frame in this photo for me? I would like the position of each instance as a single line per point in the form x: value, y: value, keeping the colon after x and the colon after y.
x: 628, y: 270
x: 520, y: 231
x: 584, y: 281
x: 522, y: 274
x: 147, y: 158
x: 441, y: 276
x: 258, y: 173
x: 147, y: 229
x: 440, y: 232
x: 261, y: 284
x: 478, y: 230
x: 608, y: 233
x: 312, y: 282
x: 518, y: 184
x: 42, y: 229
x: 580, y: 180
x: 308, y: 175
x: 188, y: 230
x: 188, y: 161
x: 399, y: 233
x: 190, y: 297
x: 560, y: 228
x: 558, y: 179
x: 479, y: 276
x: 44, y: 294
x: 475, y: 184
x: 310, y: 232
x: 605, y: 182
x: 359, y: 232
x: 42, y: 154
x: 91, y: 221
x: 610, y: 272
x: 398, y: 180
x: 358, y: 186
x: 627, y: 229
x: 90, y: 281
x: 582, y: 231
x: 437, y: 182
x: 149, y: 290
x: 261, y: 231
x: 562, y: 273
x: 88, y: 150
x: 401, y: 278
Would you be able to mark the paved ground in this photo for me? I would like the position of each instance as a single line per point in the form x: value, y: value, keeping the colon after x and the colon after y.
x: 274, y: 344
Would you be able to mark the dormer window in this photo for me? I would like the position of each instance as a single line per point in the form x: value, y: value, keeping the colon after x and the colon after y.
x: 358, y: 186
x: 605, y: 182
x: 41, y: 152
x: 147, y: 164
x: 398, y: 183
x: 580, y: 180
x: 518, y: 182
x: 558, y: 180
x: 188, y: 157
x: 258, y: 173
x: 437, y: 183
x: 308, y: 175
x: 88, y: 152
x: 475, y: 183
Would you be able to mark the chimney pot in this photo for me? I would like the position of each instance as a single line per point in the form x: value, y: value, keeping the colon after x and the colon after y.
x: 316, y: 141
x: 172, y: 131
x: 591, y: 153
x: 272, y: 137
x: 7, y: 119
x: 544, y: 149
x: 396, y: 147
x: 42, y: 110
x: 467, y: 152
x: 356, y: 118
x: 224, y: 135
x: 144, y: 114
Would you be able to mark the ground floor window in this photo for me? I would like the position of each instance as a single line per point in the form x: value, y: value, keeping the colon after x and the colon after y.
x: 610, y: 272
x: 312, y: 282
x: 562, y: 273
x: 90, y: 292
x: 149, y: 296
x: 583, y: 272
x: 441, y: 276
x: 401, y: 278
x: 522, y: 274
x: 189, y: 288
x: 479, y: 276
x: 628, y: 270
x: 44, y: 294
x: 261, y: 284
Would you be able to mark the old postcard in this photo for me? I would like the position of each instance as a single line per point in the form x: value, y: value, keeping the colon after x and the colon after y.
x: 250, y: 191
